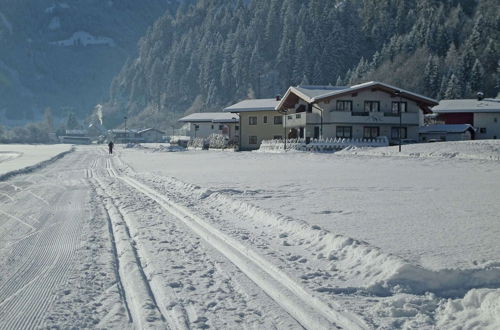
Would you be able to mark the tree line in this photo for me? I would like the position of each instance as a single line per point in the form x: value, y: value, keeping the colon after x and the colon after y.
x: 216, y: 52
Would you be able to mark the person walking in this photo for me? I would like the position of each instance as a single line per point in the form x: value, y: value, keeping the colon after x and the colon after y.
x: 110, y: 146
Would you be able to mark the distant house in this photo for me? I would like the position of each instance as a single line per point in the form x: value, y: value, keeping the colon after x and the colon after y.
x: 443, y: 132
x: 75, y: 136
x: 259, y: 121
x: 203, y: 124
x: 151, y: 135
x: 482, y: 113
x: 366, y: 111
x: 124, y: 136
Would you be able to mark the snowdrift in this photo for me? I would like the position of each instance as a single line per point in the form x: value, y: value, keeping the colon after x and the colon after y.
x: 368, y: 268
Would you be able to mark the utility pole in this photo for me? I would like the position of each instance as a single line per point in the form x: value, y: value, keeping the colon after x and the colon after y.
x: 398, y: 93
x: 126, y: 132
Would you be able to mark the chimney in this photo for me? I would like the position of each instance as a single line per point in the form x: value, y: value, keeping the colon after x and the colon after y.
x: 480, y: 96
x: 278, y: 97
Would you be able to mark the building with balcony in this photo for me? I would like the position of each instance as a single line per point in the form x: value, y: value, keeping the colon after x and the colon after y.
x: 481, y: 113
x: 366, y: 110
x: 204, y: 124
x: 258, y: 121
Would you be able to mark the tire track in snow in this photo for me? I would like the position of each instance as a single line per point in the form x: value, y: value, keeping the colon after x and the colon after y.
x: 307, y: 309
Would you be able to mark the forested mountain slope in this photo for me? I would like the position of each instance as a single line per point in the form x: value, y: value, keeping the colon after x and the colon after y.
x: 217, y: 52
x: 63, y: 54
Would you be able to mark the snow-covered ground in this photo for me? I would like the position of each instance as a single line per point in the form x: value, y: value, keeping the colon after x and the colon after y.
x: 27, y: 155
x: 153, y: 239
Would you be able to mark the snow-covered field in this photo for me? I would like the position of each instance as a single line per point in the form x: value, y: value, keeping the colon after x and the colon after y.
x: 27, y: 155
x: 153, y: 239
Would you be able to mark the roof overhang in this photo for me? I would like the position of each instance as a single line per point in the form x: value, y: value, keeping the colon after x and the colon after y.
x: 293, y: 95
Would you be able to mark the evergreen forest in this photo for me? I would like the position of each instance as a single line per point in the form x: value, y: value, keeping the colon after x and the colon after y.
x: 216, y: 52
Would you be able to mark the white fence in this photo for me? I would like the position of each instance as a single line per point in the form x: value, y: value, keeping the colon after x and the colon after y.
x: 214, y: 141
x: 321, y: 145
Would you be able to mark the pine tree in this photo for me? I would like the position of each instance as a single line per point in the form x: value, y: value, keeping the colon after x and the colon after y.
x: 477, y: 76
x: 453, y: 89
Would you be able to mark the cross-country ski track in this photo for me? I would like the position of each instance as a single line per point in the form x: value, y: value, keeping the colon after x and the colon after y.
x: 88, y: 232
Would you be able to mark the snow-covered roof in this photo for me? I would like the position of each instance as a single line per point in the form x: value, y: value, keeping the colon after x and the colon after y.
x: 150, y: 129
x: 76, y: 132
x: 443, y: 128
x: 253, y: 105
x: 314, y: 91
x: 313, y: 94
x: 122, y: 131
x: 467, y: 105
x: 211, y: 117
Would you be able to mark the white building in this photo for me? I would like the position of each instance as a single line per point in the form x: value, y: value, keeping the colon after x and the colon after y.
x: 204, y: 124
x: 481, y: 113
x: 443, y: 132
x: 150, y: 135
x: 367, y: 110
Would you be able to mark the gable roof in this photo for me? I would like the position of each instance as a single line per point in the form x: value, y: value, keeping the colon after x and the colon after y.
x: 467, y: 105
x: 446, y: 128
x: 150, y: 129
x: 313, y: 94
x: 253, y: 105
x: 210, y: 117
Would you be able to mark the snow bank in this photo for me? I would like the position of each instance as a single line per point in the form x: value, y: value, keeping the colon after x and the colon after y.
x: 479, y: 149
x: 479, y: 309
x: 18, y: 159
x: 367, y: 267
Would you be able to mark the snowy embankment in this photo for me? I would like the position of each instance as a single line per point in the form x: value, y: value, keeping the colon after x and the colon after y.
x: 16, y: 159
x: 481, y: 149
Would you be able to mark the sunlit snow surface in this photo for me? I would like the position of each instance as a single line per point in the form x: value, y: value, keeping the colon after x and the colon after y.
x: 401, y: 239
x: 440, y: 212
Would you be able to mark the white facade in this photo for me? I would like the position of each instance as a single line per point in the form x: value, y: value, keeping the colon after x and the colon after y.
x: 488, y: 125
x: 368, y: 111
x: 202, y: 125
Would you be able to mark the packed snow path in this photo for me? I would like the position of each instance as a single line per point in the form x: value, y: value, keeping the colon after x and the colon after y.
x: 86, y: 244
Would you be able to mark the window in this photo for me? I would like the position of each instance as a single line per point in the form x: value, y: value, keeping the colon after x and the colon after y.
x: 396, y: 106
x: 277, y: 137
x: 221, y: 127
x: 482, y: 130
x: 370, y: 132
x: 212, y: 126
x: 290, y: 117
x: 278, y: 120
x: 395, y: 133
x: 196, y: 127
x: 236, y: 128
x: 265, y: 119
x: 252, y: 120
x: 372, y: 106
x: 343, y: 105
x: 297, y: 116
x: 344, y: 132
x: 495, y: 119
x: 252, y: 140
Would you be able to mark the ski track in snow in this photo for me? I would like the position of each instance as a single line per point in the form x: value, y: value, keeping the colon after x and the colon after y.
x: 88, y: 242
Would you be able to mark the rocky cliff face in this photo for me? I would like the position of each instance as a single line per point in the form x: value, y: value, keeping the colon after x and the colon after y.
x: 63, y: 54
